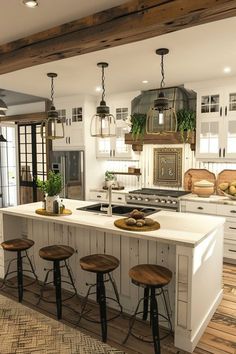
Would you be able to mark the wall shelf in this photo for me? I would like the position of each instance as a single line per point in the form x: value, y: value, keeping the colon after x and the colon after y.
x: 126, y: 173
x: 163, y: 138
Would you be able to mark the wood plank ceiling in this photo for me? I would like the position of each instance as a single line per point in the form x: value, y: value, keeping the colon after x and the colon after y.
x: 133, y: 21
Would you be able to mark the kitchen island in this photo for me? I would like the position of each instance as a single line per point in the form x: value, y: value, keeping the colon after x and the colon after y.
x: 191, y: 246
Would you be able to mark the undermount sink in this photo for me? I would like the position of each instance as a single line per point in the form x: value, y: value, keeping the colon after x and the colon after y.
x: 123, y: 210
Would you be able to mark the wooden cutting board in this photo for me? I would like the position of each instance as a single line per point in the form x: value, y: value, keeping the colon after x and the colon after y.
x: 225, y: 176
x: 197, y: 174
x: 122, y: 225
x: 46, y: 213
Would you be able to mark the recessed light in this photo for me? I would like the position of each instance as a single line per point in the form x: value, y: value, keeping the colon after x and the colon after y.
x: 227, y: 69
x: 30, y: 3
x: 145, y: 81
x: 98, y: 89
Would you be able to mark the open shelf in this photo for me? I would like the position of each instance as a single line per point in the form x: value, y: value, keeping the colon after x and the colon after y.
x: 126, y: 173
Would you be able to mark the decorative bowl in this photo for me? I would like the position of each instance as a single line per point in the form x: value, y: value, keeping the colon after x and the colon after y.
x: 203, y: 188
x: 233, y: 197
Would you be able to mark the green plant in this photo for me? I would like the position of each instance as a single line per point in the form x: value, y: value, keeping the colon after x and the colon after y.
x: 186, y: 122
x: 138, y: 125
x: 53, y: 185
x: 109, y: 176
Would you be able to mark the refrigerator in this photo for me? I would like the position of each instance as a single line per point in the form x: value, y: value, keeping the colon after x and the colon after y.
x: 71, y: 165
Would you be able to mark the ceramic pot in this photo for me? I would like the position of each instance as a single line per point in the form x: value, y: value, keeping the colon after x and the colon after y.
x: 203, y: 188
x: 49, y: 202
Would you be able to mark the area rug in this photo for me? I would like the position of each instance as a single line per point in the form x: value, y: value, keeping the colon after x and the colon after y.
x: 25, y: 331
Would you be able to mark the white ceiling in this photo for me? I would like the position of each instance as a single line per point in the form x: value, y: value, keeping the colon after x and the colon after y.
x: 198, y: 53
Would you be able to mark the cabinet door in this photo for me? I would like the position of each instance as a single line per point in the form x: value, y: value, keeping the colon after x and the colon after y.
x: 104, y: 147
x: 210, y: 121
x: 122, y: 150
x: 210, y: 104
x: 229, y: 149
x: 209, y: 138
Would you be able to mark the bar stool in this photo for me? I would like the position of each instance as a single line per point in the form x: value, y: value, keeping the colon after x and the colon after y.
x: 101, y: 265
x: 57, y: 254
x: 19, y: 245
x: 152, y: 277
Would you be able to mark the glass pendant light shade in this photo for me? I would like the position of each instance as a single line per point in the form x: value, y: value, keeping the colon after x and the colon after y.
x: 103, y: 124
x: 161, y: 117
x: 52, y: 128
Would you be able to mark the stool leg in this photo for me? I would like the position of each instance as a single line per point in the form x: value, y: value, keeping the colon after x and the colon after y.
x: 57, y: 283
x: 145, y: 303
x: 31, y: 265
x: 19, y: 276
x: 7, y: 272
x: 154, y: 321
x: 70, y: 276
x: 167, y: 309
x: 113, y: 283
x: 102, y: 304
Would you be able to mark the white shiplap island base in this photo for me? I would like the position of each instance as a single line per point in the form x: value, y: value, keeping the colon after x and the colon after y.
x: 190, y: 245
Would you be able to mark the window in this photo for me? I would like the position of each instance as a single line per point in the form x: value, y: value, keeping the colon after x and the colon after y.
x: 121, y: 113
x: 77, y: 114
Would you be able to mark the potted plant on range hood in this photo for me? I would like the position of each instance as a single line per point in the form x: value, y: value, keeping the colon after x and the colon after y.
x: 138, y: 128
x: 51, y: 188
x: 186, y: 123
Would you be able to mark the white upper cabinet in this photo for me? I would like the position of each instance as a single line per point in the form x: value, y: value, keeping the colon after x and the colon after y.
x: 216, y: 124
x: 74, y: 129
x: 115, y: 147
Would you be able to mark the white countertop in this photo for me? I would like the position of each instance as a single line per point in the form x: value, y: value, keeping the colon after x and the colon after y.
x: 179, y: 228
x: 212, y: 199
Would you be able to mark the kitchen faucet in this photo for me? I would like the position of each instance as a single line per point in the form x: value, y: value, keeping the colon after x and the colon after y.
x: 109, y: 209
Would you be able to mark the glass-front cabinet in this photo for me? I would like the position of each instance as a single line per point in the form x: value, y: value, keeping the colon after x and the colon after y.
x: 115, y: 147
x: 216, y: 124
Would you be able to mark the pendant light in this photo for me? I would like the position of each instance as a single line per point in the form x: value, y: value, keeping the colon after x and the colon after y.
x: 2, y: 139
x: 103, y: 124
x: 161, y: 116
x: 52, y: 128
x: 3, y: 106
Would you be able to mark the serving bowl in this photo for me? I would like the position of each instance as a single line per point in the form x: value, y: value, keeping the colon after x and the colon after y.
x: 204, y: 188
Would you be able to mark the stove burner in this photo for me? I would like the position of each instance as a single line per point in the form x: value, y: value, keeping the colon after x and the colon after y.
x: 161, y: 198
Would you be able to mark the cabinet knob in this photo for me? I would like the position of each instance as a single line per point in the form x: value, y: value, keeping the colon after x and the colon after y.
x: 219, y: 152
x: 200, y: 208
x: 119, y: 198
x: 233, y: 211
x: 230, y: 250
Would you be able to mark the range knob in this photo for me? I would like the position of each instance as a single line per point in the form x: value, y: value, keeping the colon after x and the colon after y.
x: 139, y: 198
x: 129, y: 197
x: 174, y: 202
x: 133, y: 198
x: 157, y: 200
x: 163, y: 201
x: 146, y: 199
x: 168, y: 201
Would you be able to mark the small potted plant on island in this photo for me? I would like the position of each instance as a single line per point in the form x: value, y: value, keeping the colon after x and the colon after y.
x: 138, y: 128
x: 51, y: 189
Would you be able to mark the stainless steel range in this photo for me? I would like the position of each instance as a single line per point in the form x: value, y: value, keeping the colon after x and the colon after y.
x: 160, y: 198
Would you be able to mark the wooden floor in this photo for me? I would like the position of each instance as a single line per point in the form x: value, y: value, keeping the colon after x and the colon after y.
x: 219, y: 337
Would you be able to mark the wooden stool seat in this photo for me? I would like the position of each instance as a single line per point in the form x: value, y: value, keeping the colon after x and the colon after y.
x: 99, y: 263
x: 150, y: 275
x: 56, y: 252
x: 17, y: 244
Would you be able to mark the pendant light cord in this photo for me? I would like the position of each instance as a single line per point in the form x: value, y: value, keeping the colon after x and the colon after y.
x: 52, y: 90
x: 103, y: 84
x: 162, y: 72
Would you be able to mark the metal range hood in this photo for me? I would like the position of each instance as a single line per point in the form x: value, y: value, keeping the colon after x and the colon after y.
x: 178, y: 96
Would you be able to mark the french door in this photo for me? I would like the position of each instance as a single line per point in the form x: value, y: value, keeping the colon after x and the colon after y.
x: 32, y: 161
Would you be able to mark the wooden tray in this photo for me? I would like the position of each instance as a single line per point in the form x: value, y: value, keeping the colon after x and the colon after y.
x: 196, y: 174
x: 122, y: 225
x: 225, y: 176
x: 46, y: 213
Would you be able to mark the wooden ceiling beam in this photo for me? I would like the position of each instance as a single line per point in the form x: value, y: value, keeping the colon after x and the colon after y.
x: 25, y: 118
x: 133, y: 21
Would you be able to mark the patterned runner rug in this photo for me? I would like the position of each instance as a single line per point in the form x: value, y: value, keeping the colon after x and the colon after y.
x: 25, y: 331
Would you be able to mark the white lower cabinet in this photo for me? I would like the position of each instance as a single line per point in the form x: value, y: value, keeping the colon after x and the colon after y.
x: 102, y: 196
x: 227, y: 211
